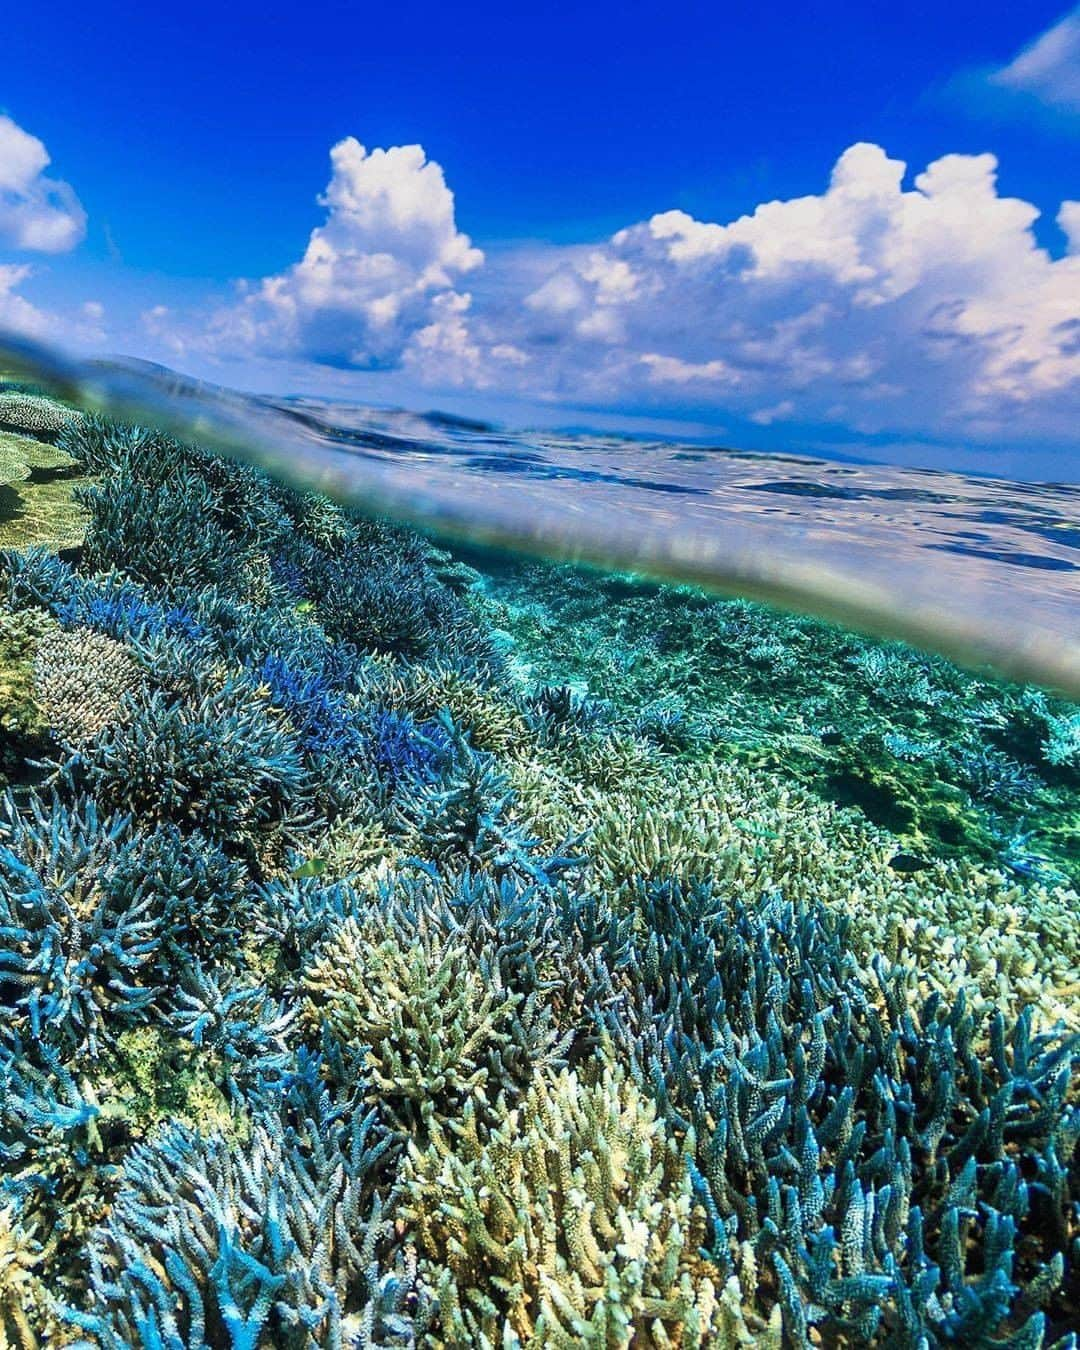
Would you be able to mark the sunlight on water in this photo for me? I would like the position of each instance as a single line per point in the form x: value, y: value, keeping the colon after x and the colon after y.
x: 983, y: 570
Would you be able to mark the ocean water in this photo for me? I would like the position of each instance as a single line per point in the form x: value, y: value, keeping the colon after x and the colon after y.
x: 464, y: 888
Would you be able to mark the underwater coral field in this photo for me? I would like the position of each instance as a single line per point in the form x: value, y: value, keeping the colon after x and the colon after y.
x: 406, y: 948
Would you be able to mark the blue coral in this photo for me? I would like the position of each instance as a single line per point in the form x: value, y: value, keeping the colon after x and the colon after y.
x: 321, y: 715
x: 896, y: 1169
x: 404, y: 753
x: 219, y: 761
x: 879, y: 1166
x: 280, y: 1242
x: 120, y: 609
x: 79, y: 932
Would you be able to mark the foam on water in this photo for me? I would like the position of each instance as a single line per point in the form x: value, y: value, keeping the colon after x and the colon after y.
x: 983, y: 570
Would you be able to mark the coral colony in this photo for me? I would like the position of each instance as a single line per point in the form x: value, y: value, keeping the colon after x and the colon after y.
x: 395, y: 956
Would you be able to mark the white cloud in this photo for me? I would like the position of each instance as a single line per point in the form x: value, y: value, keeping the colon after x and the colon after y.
x: 83, y: 328
x: 1048, y: 68
x: 381, y: 270
x: 673, y: 370
x: 17, y: 314
x: 883, y: 306
x: 886, y: 305
x: 1069, y: 220
x: 36, y: 213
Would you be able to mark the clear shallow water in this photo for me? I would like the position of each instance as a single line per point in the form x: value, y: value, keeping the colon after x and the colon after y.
x: 983, y: 570
x: 718, y: 966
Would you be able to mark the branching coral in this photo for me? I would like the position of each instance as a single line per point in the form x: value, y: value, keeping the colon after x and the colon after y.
x: 445, y: 1011
x: 876, y: 1159
x: 464, y: 818
x: 220, y: 761
x: 23, y: 1299
x: 379, y: 592
x: 962, y: 926
x: 1062, y: 745
x: 492, y: 721
x: 160, y: 533
x: 77, y: 942
x: 57, y: 1163
x: 571, y: 1223
x: 276, y: 1243
x: 561, y: 889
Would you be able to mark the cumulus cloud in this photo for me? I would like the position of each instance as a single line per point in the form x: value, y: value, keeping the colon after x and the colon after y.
x: 17, y: 314
x: 1048, y: 68
x: 872, y: 303
x: 885, y: 304
x: 36, y: 212
x: 380, y: 272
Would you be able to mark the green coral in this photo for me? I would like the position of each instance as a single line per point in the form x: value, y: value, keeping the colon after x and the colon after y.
x: 157, y: 1077
x: 37, y: 486
x: 572, y: 1223
x: 431, y: 1024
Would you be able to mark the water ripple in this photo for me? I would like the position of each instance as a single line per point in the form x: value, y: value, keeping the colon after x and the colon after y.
x: 981, y: 569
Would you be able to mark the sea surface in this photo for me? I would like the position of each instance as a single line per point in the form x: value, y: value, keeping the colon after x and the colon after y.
x: 984, y: 569
x: 462, y: 887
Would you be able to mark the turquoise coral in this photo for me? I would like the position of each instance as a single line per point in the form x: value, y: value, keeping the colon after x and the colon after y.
x: 683, y: 974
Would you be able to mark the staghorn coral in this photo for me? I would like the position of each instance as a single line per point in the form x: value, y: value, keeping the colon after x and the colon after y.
x: 23, y: 1299
x: 465, y: 818
x: 61, y: 1138
x: 492, y: 721
x: 78, y: 940
x: 573, y: 1222
x: 278, y: 1242
x: 736, y: 1065
x: 161, y: 533
x: 438, y: 1026
x: 1062, y: 744
x: 198, y: 887
x: 81, y: 680
x: 404, y: 753
x: 962, y: 926
x: 118, y: 608
x: 873, y: 1155
x: 220, y: 762
x: 243, y: 1031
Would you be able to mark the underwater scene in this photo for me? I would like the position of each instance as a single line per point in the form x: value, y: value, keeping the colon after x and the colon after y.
x: 414, y: 943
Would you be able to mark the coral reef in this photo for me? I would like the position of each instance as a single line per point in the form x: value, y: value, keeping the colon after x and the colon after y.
x: 573, y: 1222
x: 35, y: 413
x: 399, y: 952
x: 952, y: 763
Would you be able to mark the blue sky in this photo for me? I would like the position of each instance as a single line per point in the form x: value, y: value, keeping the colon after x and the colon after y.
x: 622, y: 213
